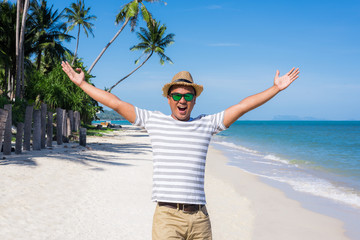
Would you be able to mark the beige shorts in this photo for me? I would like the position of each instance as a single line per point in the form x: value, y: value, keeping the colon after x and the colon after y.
x: 170, y: 223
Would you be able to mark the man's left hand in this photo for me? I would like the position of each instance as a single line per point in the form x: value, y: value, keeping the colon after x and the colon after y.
x: 284, y: 81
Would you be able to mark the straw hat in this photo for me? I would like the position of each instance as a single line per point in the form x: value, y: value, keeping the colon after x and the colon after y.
x: 182, y: 78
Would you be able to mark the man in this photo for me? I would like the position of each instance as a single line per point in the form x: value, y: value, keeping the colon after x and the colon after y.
x: 180, y: 145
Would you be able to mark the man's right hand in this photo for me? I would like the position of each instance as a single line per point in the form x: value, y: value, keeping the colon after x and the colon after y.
x: 77, y: 78
x: 108, y: 99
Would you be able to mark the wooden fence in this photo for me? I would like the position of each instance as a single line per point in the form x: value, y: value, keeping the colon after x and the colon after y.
x: 38, y: 129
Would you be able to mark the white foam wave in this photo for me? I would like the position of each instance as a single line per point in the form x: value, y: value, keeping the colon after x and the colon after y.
x: 268, y: 163
x: 276, y: 159
x: 321, y: 188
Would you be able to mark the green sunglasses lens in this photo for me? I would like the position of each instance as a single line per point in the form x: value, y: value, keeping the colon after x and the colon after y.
x: 176, y: 97
x: 188, y: 97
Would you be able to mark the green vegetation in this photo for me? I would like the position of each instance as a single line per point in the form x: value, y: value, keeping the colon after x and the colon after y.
x: 32, y: 38
x: 77, y: 15
x: 94, y: 131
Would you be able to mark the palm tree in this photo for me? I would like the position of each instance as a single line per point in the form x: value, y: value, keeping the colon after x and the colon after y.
x: 77, y: 15
x: 129, y: 13
x: 48, y: 35
x: 20, y: 44
x: 152, y: 41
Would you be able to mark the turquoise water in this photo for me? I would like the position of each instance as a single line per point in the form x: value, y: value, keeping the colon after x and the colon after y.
x: 321, y: 158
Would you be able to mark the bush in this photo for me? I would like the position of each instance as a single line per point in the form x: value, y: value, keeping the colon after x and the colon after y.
x: 18, y: 108
x: 56, y: 90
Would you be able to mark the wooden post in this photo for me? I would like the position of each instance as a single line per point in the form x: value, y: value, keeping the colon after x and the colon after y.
x: 64, y: 123
x: 3, y: 117
x: 65, y: 126
x: 71, y: 118
x: 37, y: 130
x: 77, y: 121
x: 8, y: 133
x: 43, y: 124
x: 83, y: 136
x: 68, y: 128
x: 49, y: 129
x: 28, y: 127
x: 59, y: 126
x: 19, y: 136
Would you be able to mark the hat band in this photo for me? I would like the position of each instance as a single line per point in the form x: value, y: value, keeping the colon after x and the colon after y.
x: 182, y: 80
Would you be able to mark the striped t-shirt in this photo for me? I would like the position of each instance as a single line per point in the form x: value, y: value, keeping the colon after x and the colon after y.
x: 179, y: 154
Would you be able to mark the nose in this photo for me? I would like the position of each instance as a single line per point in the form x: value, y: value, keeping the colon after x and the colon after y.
x: 182, y: 100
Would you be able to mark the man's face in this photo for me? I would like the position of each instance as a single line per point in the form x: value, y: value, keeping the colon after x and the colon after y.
x: 181, y: 110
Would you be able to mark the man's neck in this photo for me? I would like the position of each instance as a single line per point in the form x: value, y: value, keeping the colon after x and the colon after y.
x: 186, y: 120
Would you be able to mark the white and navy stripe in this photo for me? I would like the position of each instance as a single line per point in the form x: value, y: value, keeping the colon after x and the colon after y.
x: 179, y: 154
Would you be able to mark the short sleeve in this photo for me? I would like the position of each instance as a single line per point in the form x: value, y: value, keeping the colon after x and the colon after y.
x: 217, y: 121
x: 142, y: 116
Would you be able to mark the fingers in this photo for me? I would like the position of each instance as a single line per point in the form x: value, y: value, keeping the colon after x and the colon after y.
x: 293, y: 73
x: 66, y: 67
x: 277, y: 73
x: 290, y: 71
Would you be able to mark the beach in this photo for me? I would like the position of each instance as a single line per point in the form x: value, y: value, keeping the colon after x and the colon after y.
x: 103, y: 191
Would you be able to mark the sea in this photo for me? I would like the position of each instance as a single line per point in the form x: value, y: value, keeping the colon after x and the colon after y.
x: 314, y: 162
x: 317, y: 160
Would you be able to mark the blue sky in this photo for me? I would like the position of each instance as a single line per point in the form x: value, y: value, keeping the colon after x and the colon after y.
x: 233, y: 48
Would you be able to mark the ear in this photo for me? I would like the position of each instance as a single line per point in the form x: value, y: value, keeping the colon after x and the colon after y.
x: 168, y: 97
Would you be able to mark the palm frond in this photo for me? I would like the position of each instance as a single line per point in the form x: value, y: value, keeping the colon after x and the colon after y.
x: 133, y: 9
x: 121, y: 16
x: 134, y: 21
x: 152, y: 40
x: 140, y: 46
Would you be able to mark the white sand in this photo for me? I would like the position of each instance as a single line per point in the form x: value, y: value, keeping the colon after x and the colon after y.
x: 274, y: 216
x: 103, y: 192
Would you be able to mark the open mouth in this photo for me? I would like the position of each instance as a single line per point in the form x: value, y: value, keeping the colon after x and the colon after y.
x: 182, y: 109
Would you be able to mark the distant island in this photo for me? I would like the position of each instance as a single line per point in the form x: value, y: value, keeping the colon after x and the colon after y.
x: 294, y: 118
x: 109, y: 115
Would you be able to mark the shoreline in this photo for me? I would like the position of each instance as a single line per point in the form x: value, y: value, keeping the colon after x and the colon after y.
x: 348, y: 214
x: 274, y: 212
x: 103, y: 191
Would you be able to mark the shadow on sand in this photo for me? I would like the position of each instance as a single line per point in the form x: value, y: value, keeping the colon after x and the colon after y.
x: 89, y: 155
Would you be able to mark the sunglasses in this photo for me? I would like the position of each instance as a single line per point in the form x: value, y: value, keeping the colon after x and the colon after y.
x: 187, y: 96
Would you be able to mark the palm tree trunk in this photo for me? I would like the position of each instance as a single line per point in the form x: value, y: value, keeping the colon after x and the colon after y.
x: 77, y: 45
x: 107, y: 45
x: 8, y: 89
x: 131, y: 72
x: 20, y: 68
x: 19, y: 7
x: 18, y: 4
x: 23, y: 75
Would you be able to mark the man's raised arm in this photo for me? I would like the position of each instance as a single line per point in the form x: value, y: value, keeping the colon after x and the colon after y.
x: 254, y: 101
x: 108, y: 99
